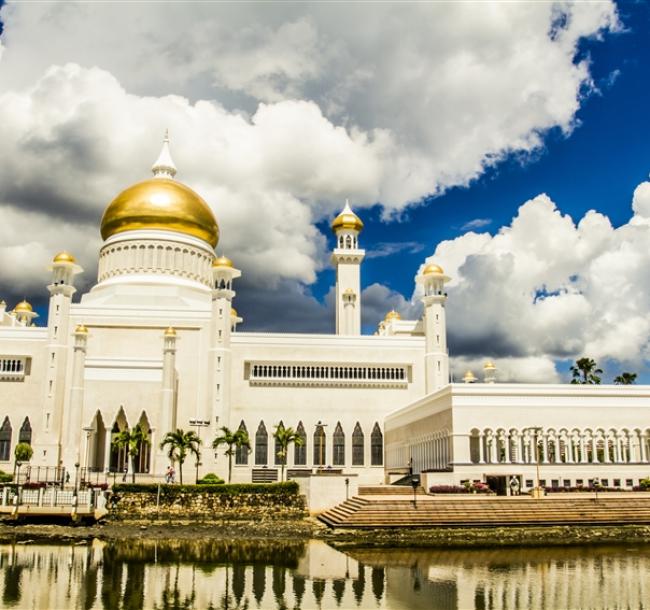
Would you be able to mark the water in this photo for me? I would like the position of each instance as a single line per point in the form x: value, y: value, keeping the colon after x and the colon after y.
x: 177, y: 575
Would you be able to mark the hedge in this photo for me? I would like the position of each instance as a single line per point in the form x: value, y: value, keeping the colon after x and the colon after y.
x: 290, y: 487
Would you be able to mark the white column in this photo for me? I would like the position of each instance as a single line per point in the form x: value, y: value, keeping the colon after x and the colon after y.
x: 481, y: 448
x: 167, y: 403
x: 642, y: 447
x: 583, y: 448
x: 72, y: 432
x: 544, y: 438
x: 594, y: 449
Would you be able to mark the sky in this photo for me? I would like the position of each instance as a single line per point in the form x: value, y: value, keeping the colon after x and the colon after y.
x: 507, y: 142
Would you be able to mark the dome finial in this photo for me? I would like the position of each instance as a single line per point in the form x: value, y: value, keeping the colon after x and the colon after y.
x: 164, y: 167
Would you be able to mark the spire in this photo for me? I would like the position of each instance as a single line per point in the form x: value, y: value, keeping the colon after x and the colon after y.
x: 164, y: 167
x: 347, y: 219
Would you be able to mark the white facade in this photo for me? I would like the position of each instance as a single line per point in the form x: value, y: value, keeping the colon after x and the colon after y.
x: 476, y: 432
x: 156, y: 343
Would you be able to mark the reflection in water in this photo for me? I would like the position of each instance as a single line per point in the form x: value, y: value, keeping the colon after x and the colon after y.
x: 217, y: 575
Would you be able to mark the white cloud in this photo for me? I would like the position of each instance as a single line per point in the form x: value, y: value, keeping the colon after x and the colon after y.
x: 476, y: 223
x: 545, y: 287
x: 278, y: 112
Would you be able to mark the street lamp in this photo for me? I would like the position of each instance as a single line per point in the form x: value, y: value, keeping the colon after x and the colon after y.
x: 321, y: 426
x: 88, y: 430
x: 198, y: 424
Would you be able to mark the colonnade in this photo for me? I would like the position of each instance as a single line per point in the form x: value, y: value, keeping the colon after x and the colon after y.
x: 429, y: 452
x: 562, y: 446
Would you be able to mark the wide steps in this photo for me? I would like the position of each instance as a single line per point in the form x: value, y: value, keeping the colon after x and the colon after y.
x: 380, y: 512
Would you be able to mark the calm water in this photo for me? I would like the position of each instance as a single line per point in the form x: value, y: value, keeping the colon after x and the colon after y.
x: 209, y: 574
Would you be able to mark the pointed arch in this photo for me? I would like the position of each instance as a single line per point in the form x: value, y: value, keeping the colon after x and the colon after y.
x: 357, y: 446
x: 338, y: 446
x: 241, y: 453
x: 25, y: 433
x: 97, y: 450
x: 5, y: 440
x: 143, y: 459
x: 261, y: 445
x: 118, y: 457
x: 278, y: 448
x: 300, y: 453
x: 320, y: 456
x: 376, y: 446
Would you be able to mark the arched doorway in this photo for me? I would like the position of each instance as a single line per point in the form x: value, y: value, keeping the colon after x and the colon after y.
x: 118, y: 457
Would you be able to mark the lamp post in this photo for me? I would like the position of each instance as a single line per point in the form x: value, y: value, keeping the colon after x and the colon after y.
x: 89, y: 430
x: 76, y: 478
x: 321, y: 426
x: 198, y: 424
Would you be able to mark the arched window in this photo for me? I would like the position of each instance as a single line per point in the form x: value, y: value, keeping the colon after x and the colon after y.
x: 5, y: 440
x: 319, y: 446
x: 279, y: 459
x: 376, y: 446
x: 300, y: 453
x: 143, y: 457
x: 25, y: 434
x: 357, y: 446
x: 241, y: 453
x: 338, y: 446
x: 261, y: 445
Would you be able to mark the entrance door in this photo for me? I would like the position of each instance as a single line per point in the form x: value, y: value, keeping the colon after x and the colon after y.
x: 498, y: 484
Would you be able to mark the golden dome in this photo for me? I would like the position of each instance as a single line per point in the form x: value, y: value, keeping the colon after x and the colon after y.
x: 81, y: 330
x: 469, y: 377
x: 222, y: 261
x: 64, y: 257
x: 160, y: 203
x: 347, y: 219
x: 432, y: 268
x: 233, y: 312
x: 170, y: 331
x: 489, y: 365
x: 23, y: 307
x: 392, y: 315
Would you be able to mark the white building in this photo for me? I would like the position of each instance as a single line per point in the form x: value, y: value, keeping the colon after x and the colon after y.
x: 156, y: 342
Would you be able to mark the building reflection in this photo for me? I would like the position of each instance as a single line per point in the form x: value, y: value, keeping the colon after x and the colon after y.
x: 174, y: 575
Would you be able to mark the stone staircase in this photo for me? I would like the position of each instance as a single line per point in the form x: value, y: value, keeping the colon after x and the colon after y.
x: 389, y: 490
x: 371, y: 512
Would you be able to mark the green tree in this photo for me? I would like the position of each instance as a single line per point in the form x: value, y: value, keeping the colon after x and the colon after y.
x: 625, y: 379
x: 22, y: 453
x: 233, y: 441
x: 179, y: 444
x: 586, y: 371
x: 132, y: 442
x: 284, y: 437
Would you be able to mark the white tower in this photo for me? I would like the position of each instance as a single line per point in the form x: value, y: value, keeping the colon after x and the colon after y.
x: 346, y: 258
x: 436, y: 357
x: 219, y: 356
x: 64, y: 267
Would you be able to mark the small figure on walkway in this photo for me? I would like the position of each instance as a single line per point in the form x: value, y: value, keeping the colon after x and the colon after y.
x: 514, y: 486
x: 126, y: 471
x: 169, y: 475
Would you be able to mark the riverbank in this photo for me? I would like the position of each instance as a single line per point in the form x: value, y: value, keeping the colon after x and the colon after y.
x: 306, y: 529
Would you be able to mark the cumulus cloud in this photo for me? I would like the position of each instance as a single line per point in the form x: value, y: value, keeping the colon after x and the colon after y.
x: 547, y: 287
x: 277, y: 113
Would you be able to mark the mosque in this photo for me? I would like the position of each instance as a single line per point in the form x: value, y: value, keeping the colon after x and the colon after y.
x: 157, y: 342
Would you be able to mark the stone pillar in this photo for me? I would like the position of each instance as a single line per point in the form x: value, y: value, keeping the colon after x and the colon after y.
x: 72, y: 432
x: 481, y: 448
x: 594, y: 449
x: 642, y: 447
x: 544, y: 448
x: 583, y: 449
x: 168, y: 390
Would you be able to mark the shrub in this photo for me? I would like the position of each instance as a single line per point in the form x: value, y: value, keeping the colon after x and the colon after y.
x: 210, y: 479
x: 5, y: 477
x: 448, y: 489
x: 290, y: 487
x: 644, y: 484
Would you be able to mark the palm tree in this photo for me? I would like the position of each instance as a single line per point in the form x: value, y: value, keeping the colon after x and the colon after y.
x: 284, y: 437
x: 131, y: 441
x: 233, y: 440
x: 586, y: 371
x: 625, y: 379
x: 179, y: 444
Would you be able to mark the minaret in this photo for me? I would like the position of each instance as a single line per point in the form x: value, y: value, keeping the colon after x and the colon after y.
x: 64, y: 267
x: 219, y: 355
x: 436, y: 357
x: 346, y: 258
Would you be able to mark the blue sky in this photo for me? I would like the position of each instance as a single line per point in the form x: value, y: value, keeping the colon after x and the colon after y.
x: 277, y: 114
